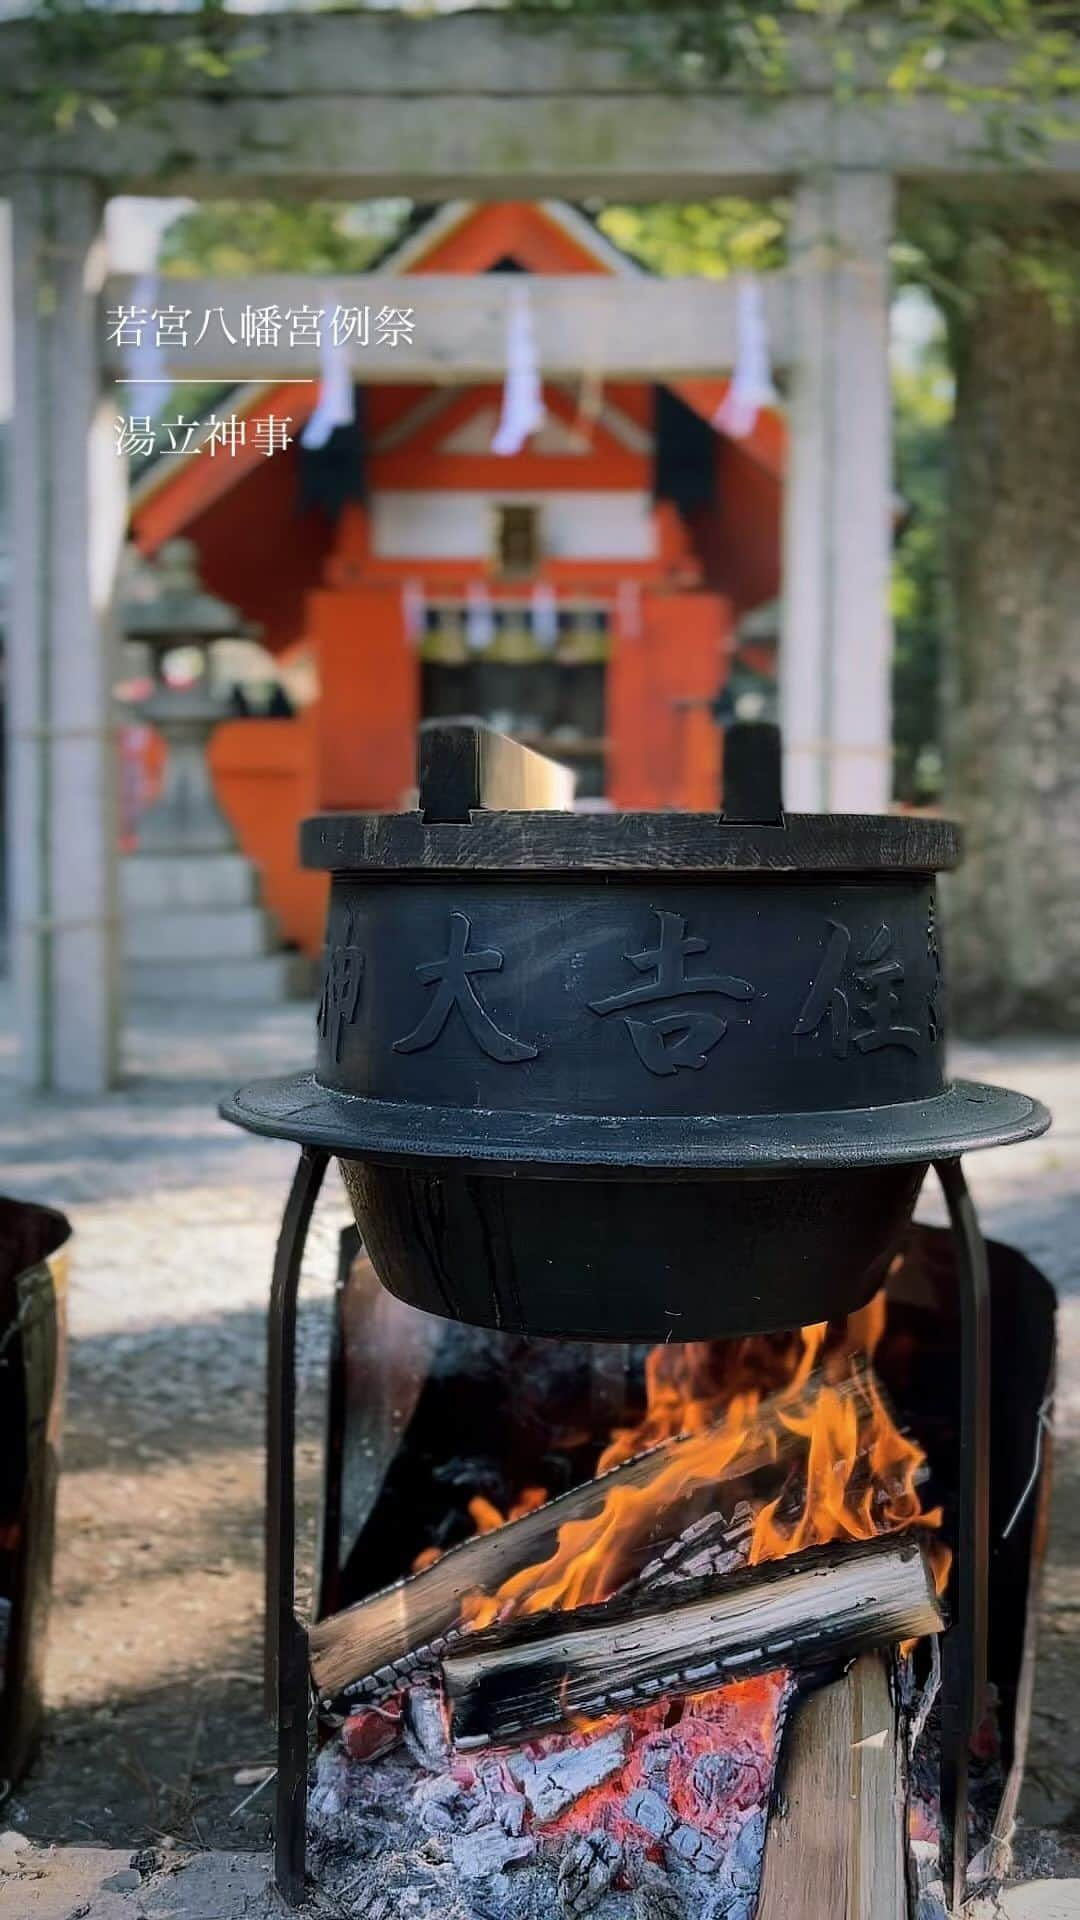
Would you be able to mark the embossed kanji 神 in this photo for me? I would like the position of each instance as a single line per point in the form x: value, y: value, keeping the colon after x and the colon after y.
x: 876, y: 979
x: 671, y: 1041
x: 340, y: 999
x: 452, y: 976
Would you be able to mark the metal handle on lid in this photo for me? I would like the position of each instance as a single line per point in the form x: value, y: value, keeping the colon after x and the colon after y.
x: 752, y: 782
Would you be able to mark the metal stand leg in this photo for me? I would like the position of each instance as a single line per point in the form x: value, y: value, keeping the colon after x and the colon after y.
x: 328, y: 1593
x: 287, y: 1686
x: 964, y: 1649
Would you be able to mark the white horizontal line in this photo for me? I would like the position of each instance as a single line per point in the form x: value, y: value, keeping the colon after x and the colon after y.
x: 207, y: 380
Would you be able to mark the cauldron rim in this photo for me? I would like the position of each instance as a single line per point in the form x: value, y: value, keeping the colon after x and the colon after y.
x: 657, y: 846
x: 967, y: 1116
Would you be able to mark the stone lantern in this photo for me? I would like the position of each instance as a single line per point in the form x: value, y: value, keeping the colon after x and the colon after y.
x: 194, y: 926
x: 165, y: 607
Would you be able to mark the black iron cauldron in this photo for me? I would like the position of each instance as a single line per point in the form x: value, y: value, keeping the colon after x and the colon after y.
x: 631, y: 1076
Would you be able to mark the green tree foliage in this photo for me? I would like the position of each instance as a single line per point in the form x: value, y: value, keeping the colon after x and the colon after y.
x: 908, y: 46
x: 99, y: 63
x: 713, y: 238
x: 893, y: 47
x: 281, y: 236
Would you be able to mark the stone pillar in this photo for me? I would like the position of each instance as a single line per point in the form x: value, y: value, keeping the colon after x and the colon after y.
x: 68, y: 526
x: 836, y: 644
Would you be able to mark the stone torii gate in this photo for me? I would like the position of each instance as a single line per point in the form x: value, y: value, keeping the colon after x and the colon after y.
x: 467, y: 105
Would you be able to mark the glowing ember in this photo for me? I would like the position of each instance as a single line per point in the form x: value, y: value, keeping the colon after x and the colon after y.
x: 850, y: 1475
x: 737, y: 1725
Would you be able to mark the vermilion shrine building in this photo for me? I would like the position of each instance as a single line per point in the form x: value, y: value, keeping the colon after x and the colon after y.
x: 582, y: 593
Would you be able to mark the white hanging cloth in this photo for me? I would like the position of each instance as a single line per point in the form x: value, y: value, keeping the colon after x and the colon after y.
x: 751, y: 385
x: 414, y: 610
x: 479, y: 618
x: 144, y: 363
x: 523, y: 391
x: 336, y: 402
x: 545, y: 614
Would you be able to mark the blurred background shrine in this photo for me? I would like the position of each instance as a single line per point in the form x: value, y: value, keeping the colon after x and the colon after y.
x: 601, y: 588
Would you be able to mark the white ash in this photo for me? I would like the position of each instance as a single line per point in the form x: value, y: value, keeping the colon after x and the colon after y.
x: 487, y: 1850
x: 392, y: 1893
x: 689, y: 1847
x: 717, y: 1776
x: 393, y: 1837
x: 587, y: 1870
x: 649, y: 1810
x: 656, y: 1762
x: 735, y: 1890
x: 657, y: 1899
x: 554, y: 1781
x: 440, y: 1804
x: 424, y: 1726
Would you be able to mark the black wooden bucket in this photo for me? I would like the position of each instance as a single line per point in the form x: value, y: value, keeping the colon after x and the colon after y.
x: 34, y: 1245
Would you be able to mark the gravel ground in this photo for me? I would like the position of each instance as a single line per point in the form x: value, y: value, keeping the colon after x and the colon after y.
x: 154, y: 1654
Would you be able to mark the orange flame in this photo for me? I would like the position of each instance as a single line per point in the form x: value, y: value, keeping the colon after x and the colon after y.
x: 807, y: 1399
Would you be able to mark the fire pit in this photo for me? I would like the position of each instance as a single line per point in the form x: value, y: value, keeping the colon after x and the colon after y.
x: 663, y: 1079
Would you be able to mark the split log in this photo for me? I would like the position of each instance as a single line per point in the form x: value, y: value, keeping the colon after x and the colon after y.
x: 549, y: 1669
x: 836, y: 1836
x: 375, y: 1644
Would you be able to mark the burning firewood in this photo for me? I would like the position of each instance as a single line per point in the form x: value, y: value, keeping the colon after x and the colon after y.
x: 713, y: 1544
x: 836, y: 1839
x: 828, y: 1603
x: 630, y: 1600
x: 372, y: 1646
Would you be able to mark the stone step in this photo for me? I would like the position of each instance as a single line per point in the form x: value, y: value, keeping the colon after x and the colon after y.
x: 226, y: 933
x: 203, y: 881
x: 266, y: 981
